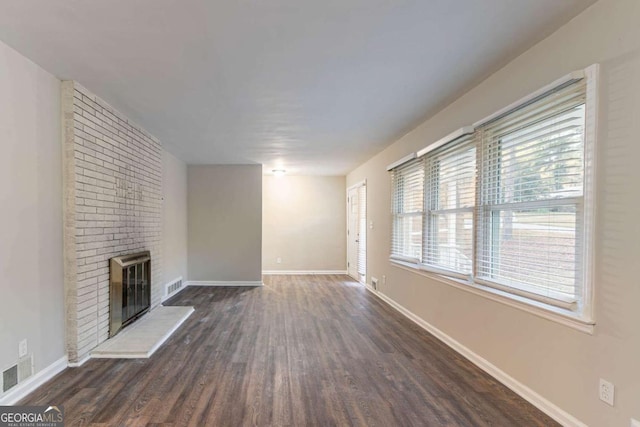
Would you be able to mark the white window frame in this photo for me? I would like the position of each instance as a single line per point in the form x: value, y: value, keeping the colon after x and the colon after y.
x: 576, y: 314
x: 401, y: 215
x: 429, y: 235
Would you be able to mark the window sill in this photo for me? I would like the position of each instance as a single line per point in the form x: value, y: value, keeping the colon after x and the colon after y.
x: 546, y: 311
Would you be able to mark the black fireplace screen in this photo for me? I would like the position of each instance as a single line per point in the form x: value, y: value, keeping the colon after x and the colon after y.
x: 130, y: 289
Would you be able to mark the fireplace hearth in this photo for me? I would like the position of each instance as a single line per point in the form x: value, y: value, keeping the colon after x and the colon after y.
x: 129, y: 290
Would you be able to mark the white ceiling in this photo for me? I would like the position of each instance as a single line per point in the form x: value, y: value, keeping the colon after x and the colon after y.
x: 314, y: 86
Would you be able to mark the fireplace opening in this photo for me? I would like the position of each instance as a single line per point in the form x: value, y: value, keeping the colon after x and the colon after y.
x: 129, y: 290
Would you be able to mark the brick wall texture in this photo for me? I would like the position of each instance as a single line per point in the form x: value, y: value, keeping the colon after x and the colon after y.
x: 113, y: 206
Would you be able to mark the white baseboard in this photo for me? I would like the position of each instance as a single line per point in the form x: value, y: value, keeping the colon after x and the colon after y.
x: 549, y: 408
x: 222, y: 283
x: 302, y: 272
x: 24, y: 388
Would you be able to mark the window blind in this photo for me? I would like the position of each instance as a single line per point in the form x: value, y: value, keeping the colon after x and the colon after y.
x: 530, y: 218
x: 450, y: 192
x: 508, y: 204
x: 407, y: 208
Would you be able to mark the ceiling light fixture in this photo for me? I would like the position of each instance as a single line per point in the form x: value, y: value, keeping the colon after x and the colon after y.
x: 279, y: 172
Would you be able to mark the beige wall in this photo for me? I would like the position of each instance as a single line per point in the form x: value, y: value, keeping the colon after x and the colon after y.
x: 174, y: 218
x: 560, y: 363
x: 224, y: 222
x: 31, y: 276
x: 304, y: 220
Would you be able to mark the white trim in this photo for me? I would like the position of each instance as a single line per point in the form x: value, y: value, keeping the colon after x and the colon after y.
x: 592, y: 74
x: 467, y: 130
x: 548, y: 312
x: 174, y: 293
x: 366, y: 233
x: 552, y: 298
x: 513, y: 384
x: 576, y: 75
x: 348, y: 225
x: 402, y: 161
x: 222, y: 283
x: 26, y: 387
x: 402, y: 258
x: 302, y: 272
x: 357, y: 184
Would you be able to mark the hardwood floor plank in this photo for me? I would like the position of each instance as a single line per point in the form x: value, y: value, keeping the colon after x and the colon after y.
x: 300, y: 351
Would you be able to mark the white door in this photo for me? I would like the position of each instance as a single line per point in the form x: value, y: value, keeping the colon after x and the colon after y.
x: 357, y: 232
x: 352, y: 232
x: 362, y: 233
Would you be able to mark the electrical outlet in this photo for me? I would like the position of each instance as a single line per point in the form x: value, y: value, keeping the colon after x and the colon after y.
x: 635, y: 423
x: 607, y: 391
x: 279, y: 260
x: 384, y: 280
x: 22, y: 348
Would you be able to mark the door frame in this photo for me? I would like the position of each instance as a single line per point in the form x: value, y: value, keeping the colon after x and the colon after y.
x: 358, y: 184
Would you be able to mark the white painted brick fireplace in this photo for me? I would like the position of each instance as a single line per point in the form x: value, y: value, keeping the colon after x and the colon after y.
x: 113, y: 206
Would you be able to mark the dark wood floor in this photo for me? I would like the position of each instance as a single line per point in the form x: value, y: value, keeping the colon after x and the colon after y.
x: 301, y: 351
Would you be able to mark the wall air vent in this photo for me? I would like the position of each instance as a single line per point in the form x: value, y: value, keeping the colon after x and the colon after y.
x: 174, y: 287
x: 9, y: 378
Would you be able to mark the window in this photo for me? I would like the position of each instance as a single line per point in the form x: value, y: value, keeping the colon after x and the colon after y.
x: 450, y: 187
x: 532, y: 195
x: 506, y: 207
x: 407, y: 182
